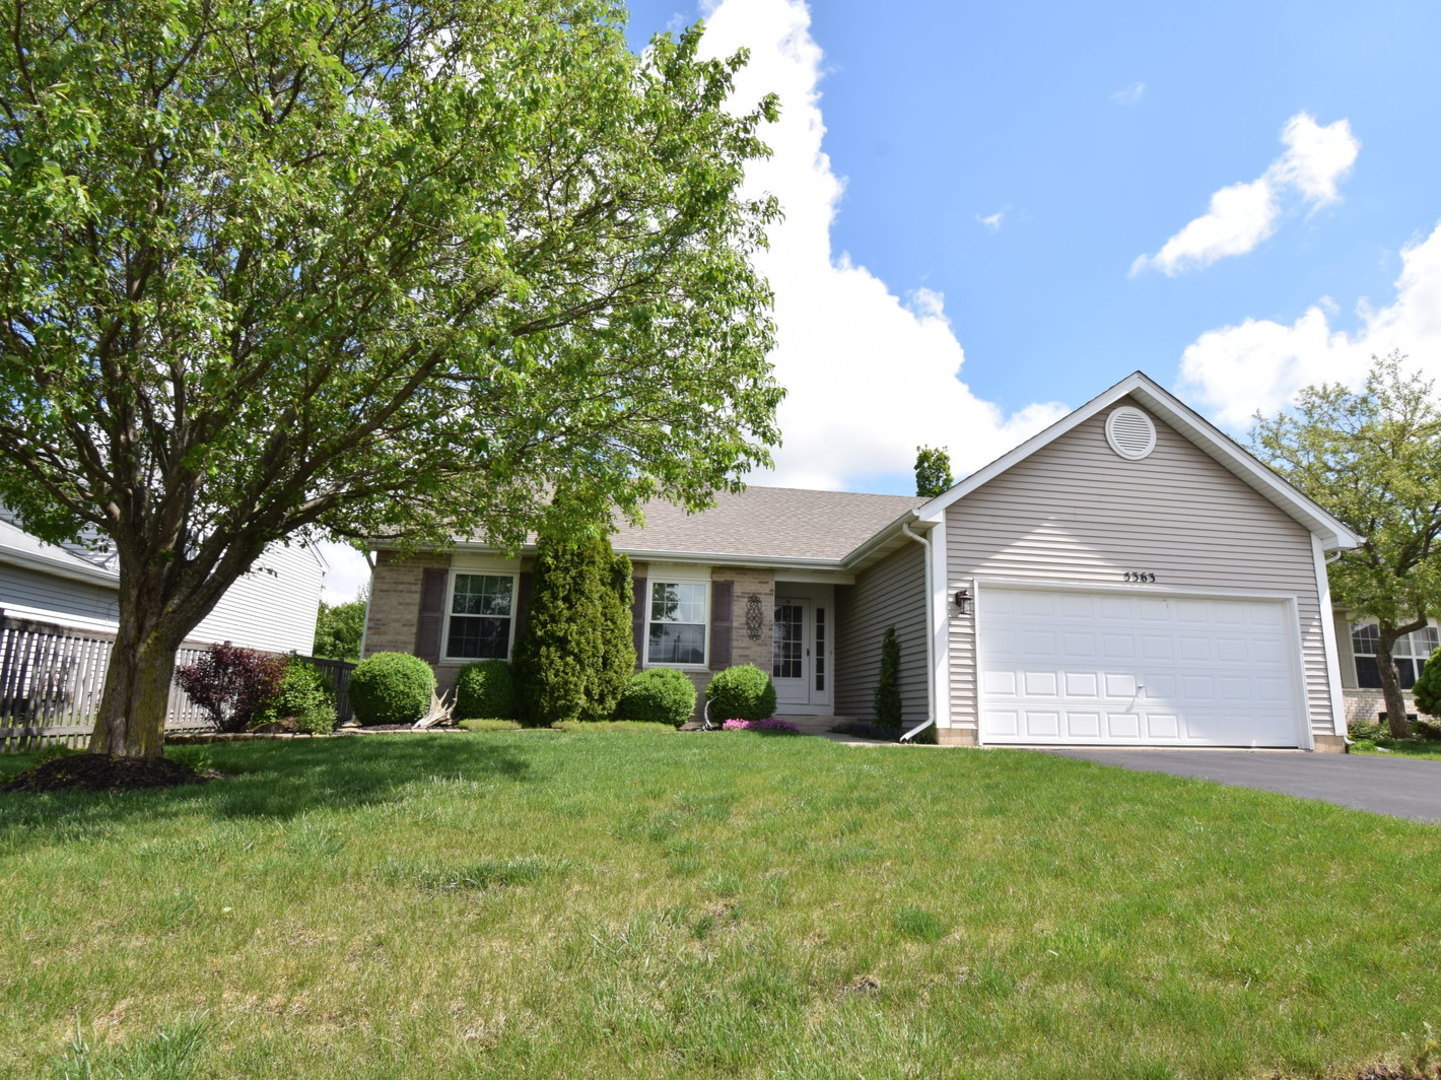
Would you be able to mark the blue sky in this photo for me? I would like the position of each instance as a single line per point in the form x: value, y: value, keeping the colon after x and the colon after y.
x: 1089, y: 136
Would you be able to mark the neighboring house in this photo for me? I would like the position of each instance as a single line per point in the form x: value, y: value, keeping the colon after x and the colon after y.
x: 1361, y: 679
x: 272, y: 608
x: 1129, y: 576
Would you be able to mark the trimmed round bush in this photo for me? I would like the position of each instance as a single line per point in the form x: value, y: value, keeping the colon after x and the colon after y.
x: 485, y: 690
x: 657, y: 696
x: 744, y: 692
x: 391, y: 688
x: 304, y: 696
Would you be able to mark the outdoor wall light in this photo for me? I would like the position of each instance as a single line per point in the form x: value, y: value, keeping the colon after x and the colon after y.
x: 964, y: 604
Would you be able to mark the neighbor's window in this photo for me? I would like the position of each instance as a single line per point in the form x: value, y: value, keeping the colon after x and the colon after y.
x: 481, y: 606
x: 677, y: 623
x: 1410, y: 653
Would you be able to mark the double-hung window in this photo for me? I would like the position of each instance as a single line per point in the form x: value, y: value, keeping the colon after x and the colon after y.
x: 480, y: 617
x: 1409, y: 652
x: 677, y: 623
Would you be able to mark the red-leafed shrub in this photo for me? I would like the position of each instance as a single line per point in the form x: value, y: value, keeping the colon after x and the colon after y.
x: 232, y: 685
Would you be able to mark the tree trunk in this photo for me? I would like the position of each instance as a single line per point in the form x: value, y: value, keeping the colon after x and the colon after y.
x: 131, y: 721
x: 1391, y: 690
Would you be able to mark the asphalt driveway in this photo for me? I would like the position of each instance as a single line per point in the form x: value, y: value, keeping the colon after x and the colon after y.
x: 1401, y: 787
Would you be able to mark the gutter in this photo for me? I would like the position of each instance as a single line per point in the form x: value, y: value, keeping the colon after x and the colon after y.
x: 925, y: 542
x: 77, y: 571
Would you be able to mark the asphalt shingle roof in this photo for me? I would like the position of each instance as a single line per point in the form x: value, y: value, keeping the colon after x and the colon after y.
x: 768, y: 522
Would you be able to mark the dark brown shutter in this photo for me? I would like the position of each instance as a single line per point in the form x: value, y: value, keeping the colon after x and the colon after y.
x: 720, y: 624
x: 522, y: 604
x: 433, y: 583
x: 637, y: 617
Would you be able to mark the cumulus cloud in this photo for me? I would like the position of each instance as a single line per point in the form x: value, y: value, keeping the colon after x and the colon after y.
x: 994, y: 221
x: 870, y: 374
x: 1260, y: 364
x: 1243, y: 215
x: 1129, y: 95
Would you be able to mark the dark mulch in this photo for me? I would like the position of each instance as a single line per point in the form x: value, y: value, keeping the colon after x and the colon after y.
x: 859, y: 729
x: 97, y: 772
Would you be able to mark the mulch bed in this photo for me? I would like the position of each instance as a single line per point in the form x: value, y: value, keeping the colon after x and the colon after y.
x: 97, y: 772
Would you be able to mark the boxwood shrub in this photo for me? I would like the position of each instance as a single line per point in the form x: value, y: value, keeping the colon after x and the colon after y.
x: 485, y: 689
x: 744, y: 692
x: 657, y: 696
x: 391, y: 688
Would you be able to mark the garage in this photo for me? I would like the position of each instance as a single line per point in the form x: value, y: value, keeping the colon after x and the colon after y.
x: 1065, y: 667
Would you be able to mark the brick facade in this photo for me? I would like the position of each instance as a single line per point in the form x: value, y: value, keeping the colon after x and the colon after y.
x: 395, y: 600
x: 762, y: 585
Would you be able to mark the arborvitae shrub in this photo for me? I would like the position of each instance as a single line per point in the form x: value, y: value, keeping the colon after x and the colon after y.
x: 888, y: 686
x: 744, y: 692
x: 391, y: 688
x: 305, y: 696
x: 657, y: 696
x: 573, y: 660
x: 1427, y: 690
x: 485, y: 690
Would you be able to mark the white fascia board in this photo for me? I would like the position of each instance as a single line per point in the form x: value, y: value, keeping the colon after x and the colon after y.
x: 1196, y: 429
x: 856, y: 558
x: 76, y: 571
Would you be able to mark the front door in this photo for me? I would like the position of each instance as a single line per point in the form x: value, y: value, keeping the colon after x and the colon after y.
x: 800, y: 666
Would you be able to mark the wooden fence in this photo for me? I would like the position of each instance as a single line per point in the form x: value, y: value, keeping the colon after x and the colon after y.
x: 51, y: 678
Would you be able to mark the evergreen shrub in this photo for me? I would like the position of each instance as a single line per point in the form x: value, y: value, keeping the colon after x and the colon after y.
x: 743, y: 692
x: 1427, y: 690
x: 391, y: 688
x: 304, y: 696
x: 486, y: 690
x: 888, y: 685
x: 657, y: 696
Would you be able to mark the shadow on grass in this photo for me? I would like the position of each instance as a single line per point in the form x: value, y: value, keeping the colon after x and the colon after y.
x: 274, y: 780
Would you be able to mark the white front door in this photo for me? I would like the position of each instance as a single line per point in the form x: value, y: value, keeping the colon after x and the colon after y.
x: 801, y: 654
x: 1135, y: 669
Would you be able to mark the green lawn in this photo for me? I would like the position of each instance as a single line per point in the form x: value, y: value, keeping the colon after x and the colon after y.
x: 544, y: 905
x: 1419, y: 748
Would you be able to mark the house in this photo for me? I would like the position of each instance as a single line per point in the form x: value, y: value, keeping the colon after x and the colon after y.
x: 273, y: 608
x: 1360, y: 680
x: 1129, y: 576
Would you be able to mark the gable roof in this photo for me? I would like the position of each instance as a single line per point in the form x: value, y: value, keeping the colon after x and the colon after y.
x: 767, y: 523
x: 1191, y: 426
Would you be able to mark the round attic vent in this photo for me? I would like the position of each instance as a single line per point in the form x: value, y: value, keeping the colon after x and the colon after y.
x: 1130, y: 432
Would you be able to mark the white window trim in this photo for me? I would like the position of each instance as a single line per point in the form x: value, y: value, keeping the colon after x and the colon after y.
x: 659, y: 574
x: 1356, y: 654
x: 479, y: 571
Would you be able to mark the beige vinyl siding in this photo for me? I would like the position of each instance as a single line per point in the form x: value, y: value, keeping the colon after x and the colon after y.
x: 891, y: 593
x: 1075, y: 512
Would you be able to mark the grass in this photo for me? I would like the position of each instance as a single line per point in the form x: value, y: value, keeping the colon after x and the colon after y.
x: 1417, y: 748
x: 541, y: 904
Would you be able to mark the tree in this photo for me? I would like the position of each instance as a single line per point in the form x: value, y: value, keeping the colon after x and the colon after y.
x: 1372, y: 457
x: 339, y: 628
x: 888, y: 685
x: 933, y: 471
x: 351, y: 268
x: 570, y: 663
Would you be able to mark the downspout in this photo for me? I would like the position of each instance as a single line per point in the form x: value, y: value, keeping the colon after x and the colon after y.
x: 925, y: 542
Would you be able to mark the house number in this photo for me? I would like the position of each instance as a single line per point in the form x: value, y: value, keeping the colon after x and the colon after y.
x: 1144, y: 577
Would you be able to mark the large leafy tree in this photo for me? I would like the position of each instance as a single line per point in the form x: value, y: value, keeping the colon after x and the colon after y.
x: 287, y: 269
x: 339, y: 629
x: 1372, y: 457
x: 933, y: 471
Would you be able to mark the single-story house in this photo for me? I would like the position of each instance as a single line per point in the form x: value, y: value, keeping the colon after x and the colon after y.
x: 1129, y: 576
x: 272, y: 608
x: 1360, y: 678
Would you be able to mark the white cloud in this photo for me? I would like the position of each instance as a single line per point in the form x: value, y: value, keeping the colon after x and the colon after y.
x: 1242, y: 215
x: 1260, y: 364
x: 870, y: 375
x: 993, y: 221
x: 1129, y: 95
x: 348, y: 573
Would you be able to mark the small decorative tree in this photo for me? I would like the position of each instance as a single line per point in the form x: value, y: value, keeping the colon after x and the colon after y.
x: 888, y: 689
x: 933, y: 471
x: 576, y: 654
x: 232, y: 685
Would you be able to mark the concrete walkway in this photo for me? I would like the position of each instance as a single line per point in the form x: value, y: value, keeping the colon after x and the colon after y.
x: 1400, y: 787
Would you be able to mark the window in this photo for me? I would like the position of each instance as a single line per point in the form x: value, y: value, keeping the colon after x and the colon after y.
x: 480, y: 617
x: 677, y: 623
x: 1409, y: 652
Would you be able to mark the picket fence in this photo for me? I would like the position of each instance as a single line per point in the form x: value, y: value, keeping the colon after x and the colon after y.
x: 51, y: 678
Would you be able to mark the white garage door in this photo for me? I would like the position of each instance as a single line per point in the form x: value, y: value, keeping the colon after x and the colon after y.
x: 1131, y: 668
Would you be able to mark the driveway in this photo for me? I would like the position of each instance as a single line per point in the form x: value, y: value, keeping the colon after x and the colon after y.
x: 1401, y: 787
